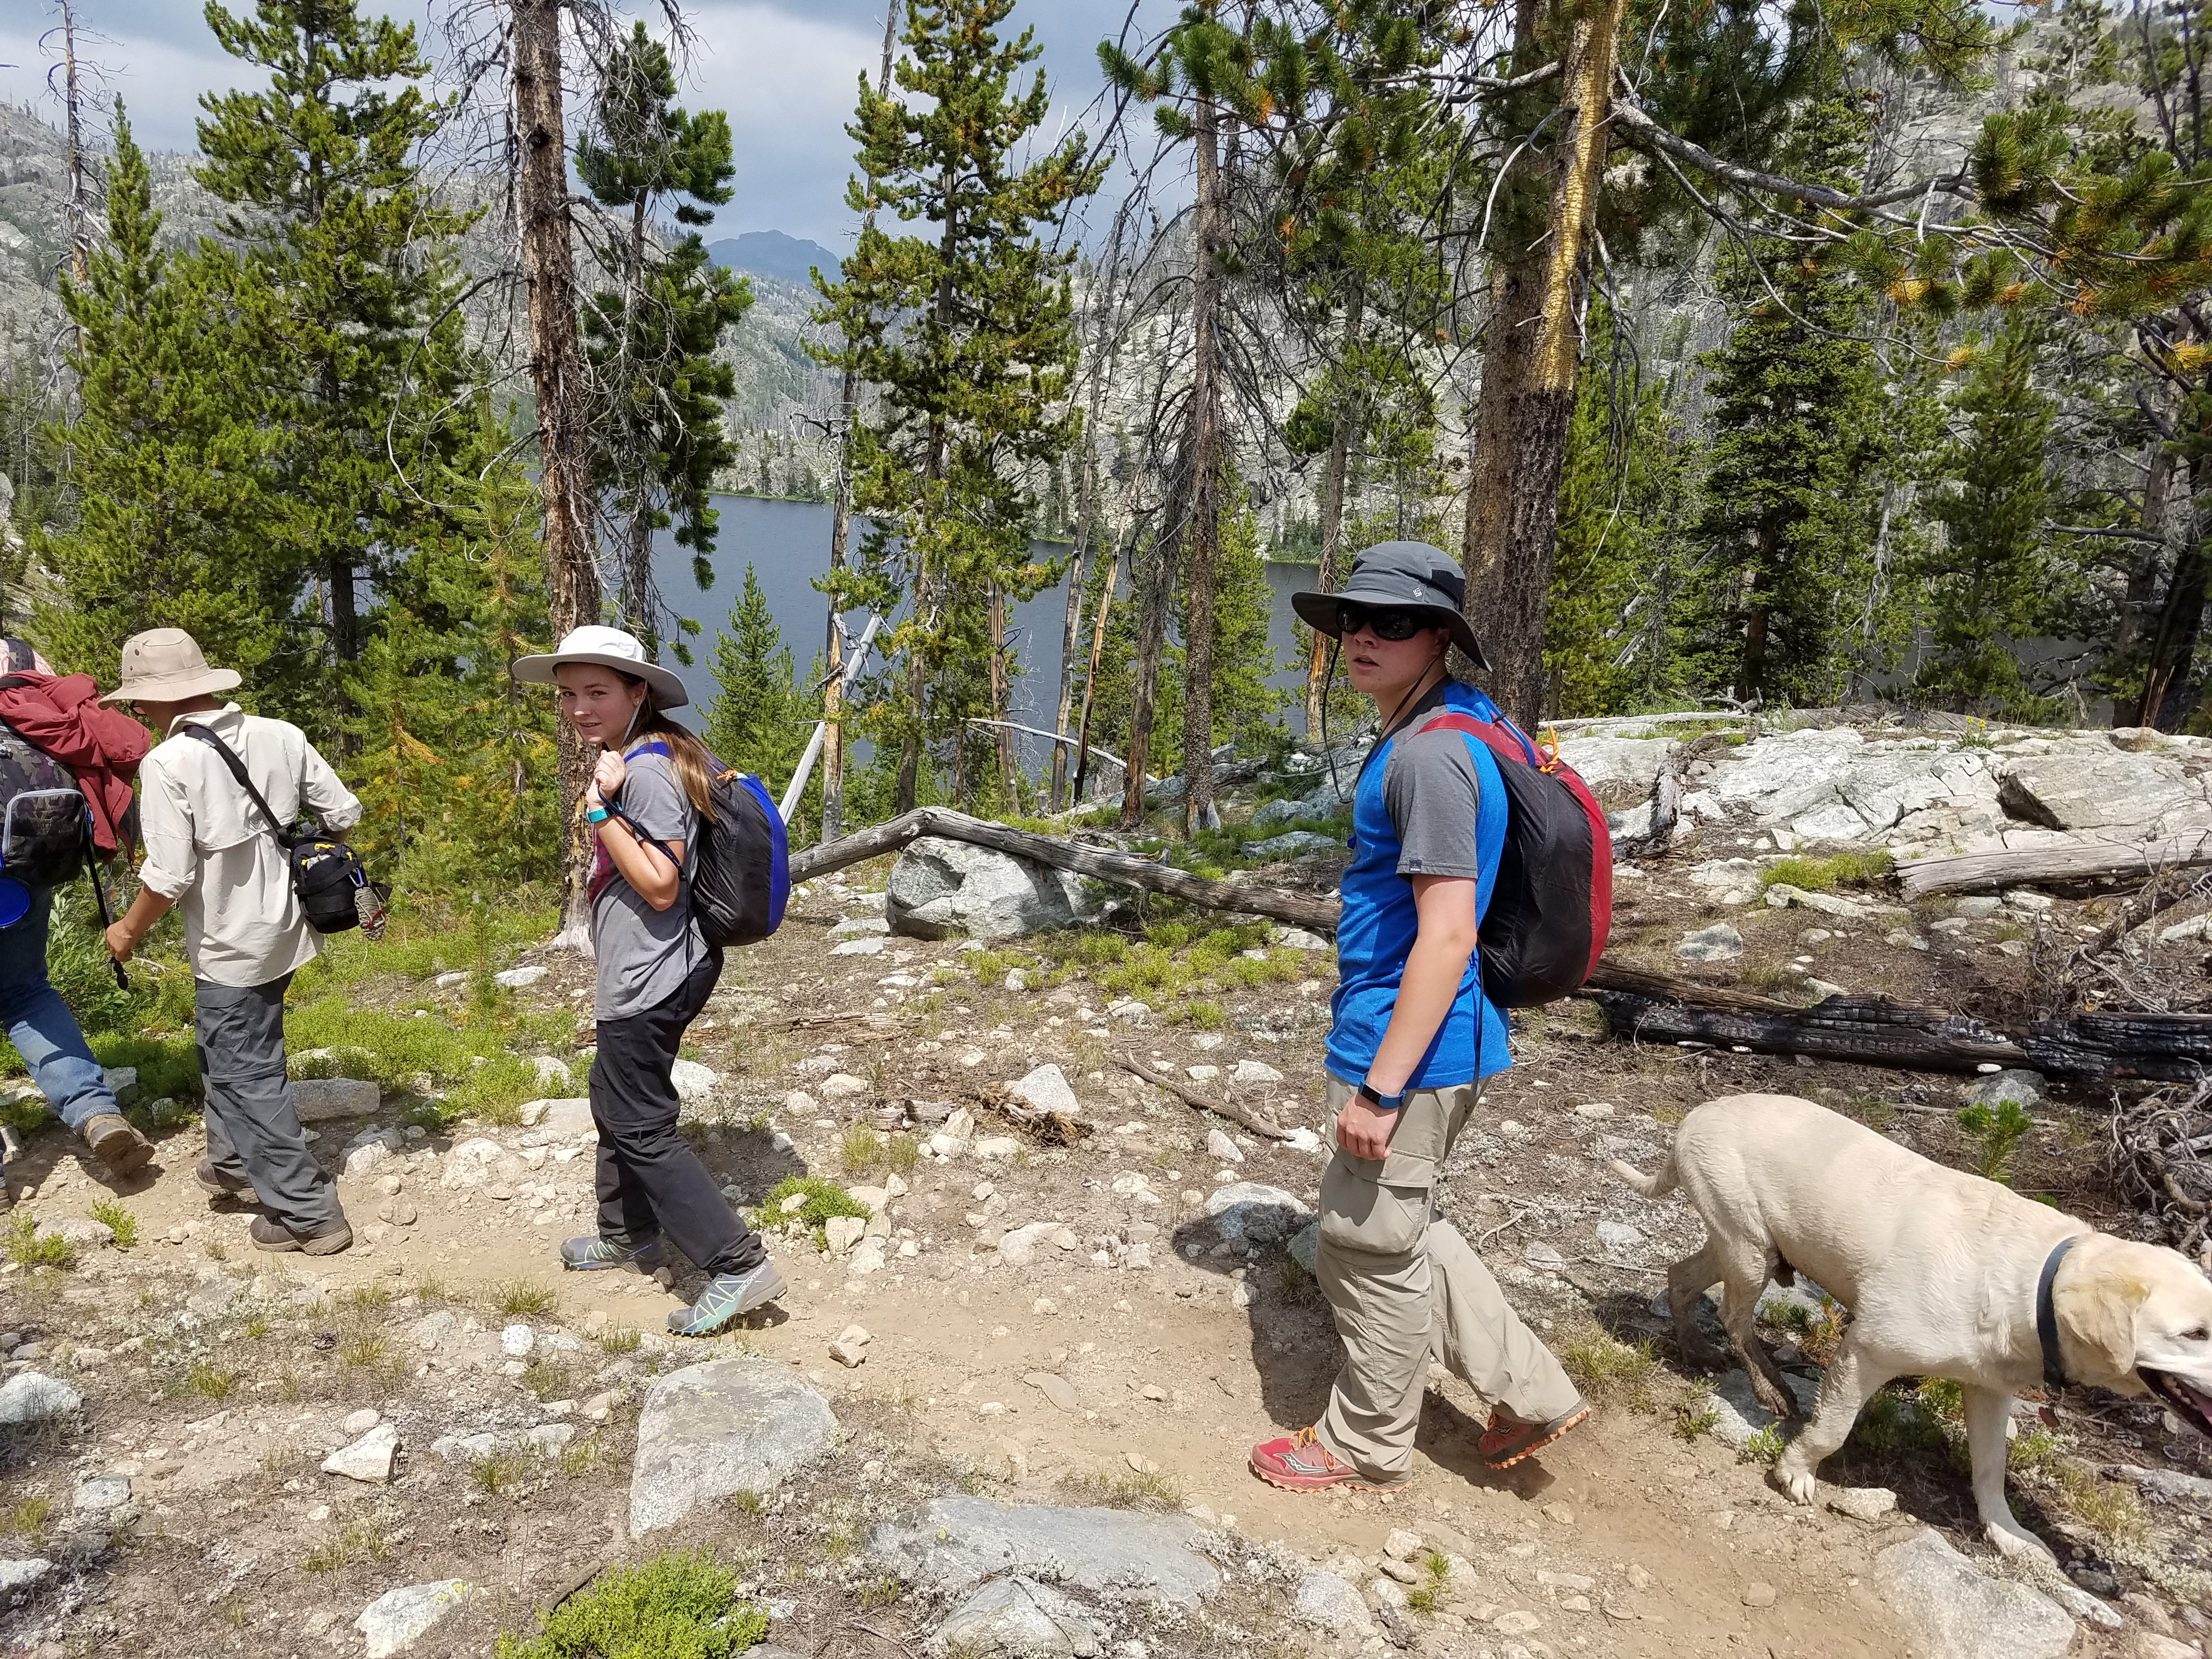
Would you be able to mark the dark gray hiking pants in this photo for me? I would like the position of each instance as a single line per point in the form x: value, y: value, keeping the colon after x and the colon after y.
x: 252, y: 1129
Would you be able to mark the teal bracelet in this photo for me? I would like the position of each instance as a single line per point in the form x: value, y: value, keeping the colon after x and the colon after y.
x: 599, y: 817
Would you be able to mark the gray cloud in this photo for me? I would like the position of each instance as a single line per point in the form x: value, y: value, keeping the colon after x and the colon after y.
x: 785, y: 71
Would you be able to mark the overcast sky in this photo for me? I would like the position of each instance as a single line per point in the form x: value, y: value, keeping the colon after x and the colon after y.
x: 785, y: 70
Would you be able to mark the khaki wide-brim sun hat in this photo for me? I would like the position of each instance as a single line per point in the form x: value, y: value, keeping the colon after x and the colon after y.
x: 166, y: 664
x: 1398, y: 576
x: 608, y: 647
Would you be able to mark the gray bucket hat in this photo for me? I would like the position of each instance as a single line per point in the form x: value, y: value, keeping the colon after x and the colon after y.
x: 1399, y: 576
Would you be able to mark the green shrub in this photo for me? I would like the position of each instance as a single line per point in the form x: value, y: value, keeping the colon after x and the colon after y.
x: 117, y: 1219
x: 167, y: 1066
x: 1997, y: 1135
x: 673, y: 1606
x: 1817, y: 875
x: 26, y: 1248
x: 824, y: 1198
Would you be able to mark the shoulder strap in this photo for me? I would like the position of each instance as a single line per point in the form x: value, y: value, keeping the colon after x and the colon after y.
x: 1474, y: 726
x: 238, y: 770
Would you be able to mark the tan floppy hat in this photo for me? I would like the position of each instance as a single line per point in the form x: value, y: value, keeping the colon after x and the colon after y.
x: 166, y: 664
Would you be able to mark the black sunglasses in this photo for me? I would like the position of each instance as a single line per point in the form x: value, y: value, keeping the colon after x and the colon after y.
x: 1386, y: 623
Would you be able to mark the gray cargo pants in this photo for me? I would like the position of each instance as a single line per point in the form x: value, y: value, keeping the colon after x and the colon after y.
x: 1403, y: 1285
x: 253, y: 1130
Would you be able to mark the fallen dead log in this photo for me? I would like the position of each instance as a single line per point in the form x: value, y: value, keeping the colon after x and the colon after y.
x: 1126, y: 869
x: 2164, y: 1048
x: 1645, y: 1006
x: 2085, y: 863
x: 1252, y: 1120
x: 1868, y: 1030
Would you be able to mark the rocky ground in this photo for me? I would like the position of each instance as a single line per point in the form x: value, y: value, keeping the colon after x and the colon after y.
x: 1040, y: 1308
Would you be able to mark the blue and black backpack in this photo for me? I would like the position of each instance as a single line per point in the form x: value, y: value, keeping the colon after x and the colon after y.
x: 741, y: 866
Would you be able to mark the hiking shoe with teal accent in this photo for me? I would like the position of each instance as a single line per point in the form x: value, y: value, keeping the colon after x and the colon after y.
x: 592, y: 1255
x: 727, y: 1298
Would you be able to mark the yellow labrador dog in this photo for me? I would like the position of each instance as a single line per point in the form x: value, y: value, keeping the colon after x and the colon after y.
x: 1946, y: 1274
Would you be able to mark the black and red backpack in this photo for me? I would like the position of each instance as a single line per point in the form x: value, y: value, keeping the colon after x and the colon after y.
x: 1551, y: 907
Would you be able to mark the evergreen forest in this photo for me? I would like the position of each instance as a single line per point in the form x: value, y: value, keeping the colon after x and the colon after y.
x: 1758, y: 356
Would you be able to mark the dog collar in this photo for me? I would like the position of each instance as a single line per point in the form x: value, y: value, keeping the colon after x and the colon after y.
x: 2046, y: 1319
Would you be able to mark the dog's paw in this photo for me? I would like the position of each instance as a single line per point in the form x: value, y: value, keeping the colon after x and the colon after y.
x: 2016, y: 1543
x: 1797, y: 1485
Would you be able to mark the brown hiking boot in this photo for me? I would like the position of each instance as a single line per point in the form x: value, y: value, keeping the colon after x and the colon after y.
x: 219, y: 1184
x: 116, y: 1144
x: 268, y: 1235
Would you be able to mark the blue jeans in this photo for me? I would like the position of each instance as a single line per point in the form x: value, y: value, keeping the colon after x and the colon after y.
x: 40, y: 1023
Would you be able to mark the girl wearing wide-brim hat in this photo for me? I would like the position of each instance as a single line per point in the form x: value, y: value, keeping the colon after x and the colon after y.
x: 647, y: 795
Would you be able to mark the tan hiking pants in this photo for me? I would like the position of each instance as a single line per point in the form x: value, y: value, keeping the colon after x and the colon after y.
x: 1403, y: 1285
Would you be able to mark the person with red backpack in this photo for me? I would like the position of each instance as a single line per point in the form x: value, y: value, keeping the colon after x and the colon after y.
x: 1412, y: 1035
x: 653, y: 805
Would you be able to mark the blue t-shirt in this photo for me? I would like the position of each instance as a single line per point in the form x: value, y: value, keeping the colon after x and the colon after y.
x: 1427, y: 803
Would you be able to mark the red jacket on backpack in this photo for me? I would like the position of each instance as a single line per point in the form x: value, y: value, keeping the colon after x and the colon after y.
x: 103, y: 746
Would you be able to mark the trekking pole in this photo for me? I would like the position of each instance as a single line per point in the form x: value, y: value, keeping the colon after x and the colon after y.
x: 106, y: 916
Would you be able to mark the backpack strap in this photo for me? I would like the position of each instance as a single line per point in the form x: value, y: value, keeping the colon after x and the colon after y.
x: 1488, y: 732
x: 230, y: 759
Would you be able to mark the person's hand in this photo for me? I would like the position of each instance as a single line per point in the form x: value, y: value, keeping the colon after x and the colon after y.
x: 120, y: 941
x: 1362, y: 1131
x: 607, y: 776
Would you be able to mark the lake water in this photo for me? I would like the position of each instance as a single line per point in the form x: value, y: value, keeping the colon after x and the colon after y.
x: 787, y: 544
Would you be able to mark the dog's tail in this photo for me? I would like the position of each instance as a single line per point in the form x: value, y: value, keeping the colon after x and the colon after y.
x: 1651, y: 1186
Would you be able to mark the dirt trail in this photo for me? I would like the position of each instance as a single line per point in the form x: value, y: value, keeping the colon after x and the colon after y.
x: 1626, y: 1538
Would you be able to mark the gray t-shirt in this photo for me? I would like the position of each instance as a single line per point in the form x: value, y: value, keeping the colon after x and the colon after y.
x: 645, y: 955
x: 1434, y: 796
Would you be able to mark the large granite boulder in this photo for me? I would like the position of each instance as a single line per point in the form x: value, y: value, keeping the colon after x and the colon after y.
x: 939, y: 887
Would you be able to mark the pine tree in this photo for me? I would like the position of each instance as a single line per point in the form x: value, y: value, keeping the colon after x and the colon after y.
x: 1991, y: 585
x: 966, y: 332
x: 348, y: 276
x: 1610, y: 642
x: 175, y: 515
x: 453, y: 763
x: 758, y: 722
x: 1802, y: 430
x: 657, y: 431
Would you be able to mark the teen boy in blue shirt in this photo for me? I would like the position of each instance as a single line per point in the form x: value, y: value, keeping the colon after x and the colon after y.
x: 1411, y: 1038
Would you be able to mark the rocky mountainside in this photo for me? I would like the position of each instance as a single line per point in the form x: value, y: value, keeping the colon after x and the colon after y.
x: 775, y: 378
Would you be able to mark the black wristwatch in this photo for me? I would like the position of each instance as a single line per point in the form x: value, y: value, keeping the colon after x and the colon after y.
x: 1381, y: 1103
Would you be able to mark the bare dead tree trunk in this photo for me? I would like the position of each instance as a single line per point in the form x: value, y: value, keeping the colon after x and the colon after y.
x: 637, y: 589
x: 848, y: 402
x: 548, y: 272
x: 1009, y: 769
x: 1529, y: 382
x: 1343, y: 435
x: 1097, y: 655
x: 80, y: 190
x: 1202, y: 467
x: 1086, y: 494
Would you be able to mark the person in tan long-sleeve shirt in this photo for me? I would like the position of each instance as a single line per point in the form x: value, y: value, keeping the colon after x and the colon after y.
x: 212, y: 852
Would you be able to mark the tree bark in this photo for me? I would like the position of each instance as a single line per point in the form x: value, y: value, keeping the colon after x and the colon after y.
x: 1156, y: 587
x: 1528, y: 395
x: 1343, y: 434
x: 1202, y: 518
x: 548, y: 271
x: 2181, y: 618
x: 833, y: 650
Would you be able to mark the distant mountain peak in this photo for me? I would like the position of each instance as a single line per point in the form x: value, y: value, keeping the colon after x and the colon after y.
x: 772, y: 254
